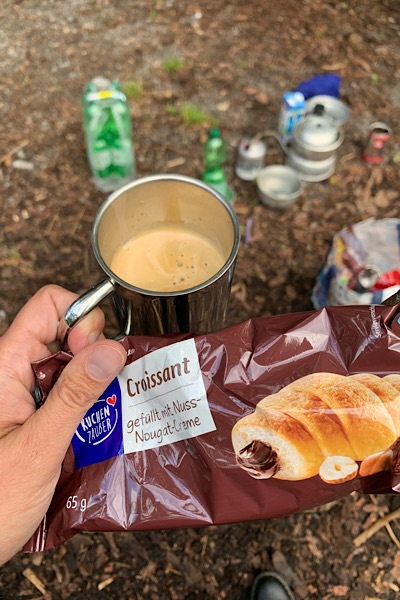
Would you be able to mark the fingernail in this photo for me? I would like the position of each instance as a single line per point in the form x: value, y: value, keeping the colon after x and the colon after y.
x: 104, y: 362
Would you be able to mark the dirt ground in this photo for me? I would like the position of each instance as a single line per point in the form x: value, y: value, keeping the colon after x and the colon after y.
x: 231, y: 61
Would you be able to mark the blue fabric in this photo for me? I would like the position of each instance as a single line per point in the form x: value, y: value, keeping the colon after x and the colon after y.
x: 320, y: 85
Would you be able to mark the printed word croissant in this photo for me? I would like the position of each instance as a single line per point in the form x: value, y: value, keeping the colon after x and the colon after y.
x: 324, y: 423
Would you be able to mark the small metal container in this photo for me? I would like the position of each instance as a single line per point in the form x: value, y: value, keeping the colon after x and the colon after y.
x: 278, y: 186
x: 378, y: 135
x: 250, y: 158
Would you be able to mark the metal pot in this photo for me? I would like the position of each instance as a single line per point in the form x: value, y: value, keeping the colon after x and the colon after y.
x: 278, y: 186
x: 312, y: 170
x: 316, y: 137
x: 312, y: 152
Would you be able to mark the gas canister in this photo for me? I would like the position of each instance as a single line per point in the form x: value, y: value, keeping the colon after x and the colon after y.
x: 250, y: 158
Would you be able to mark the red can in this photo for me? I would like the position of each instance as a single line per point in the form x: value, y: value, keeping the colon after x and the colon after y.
x: 379, y: 134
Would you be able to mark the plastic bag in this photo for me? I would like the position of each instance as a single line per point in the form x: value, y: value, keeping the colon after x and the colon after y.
x: 255, y: 421
x: 361, y: 265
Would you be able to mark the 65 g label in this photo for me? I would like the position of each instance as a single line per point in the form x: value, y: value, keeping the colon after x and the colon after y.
x: 75, y: 503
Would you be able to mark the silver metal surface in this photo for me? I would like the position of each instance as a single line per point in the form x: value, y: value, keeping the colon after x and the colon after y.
x: 311, y: 170
x: 140, y: 203
x: 88, y: 301
x: 366, y: 278
x: 278, y: 186
x: 82, y: 306
x: 316, y: 138
x: 338, y: 110
x: 250, y: 158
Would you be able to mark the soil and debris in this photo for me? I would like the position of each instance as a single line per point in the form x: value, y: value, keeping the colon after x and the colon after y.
x: 186, y: 66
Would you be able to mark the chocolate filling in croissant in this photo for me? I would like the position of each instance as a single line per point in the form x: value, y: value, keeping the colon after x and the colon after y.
x: 258, y: 459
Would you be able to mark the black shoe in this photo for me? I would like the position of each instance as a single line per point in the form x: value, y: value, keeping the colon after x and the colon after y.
x: 270, y: 586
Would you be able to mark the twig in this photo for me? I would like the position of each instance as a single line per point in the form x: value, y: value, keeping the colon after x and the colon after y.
x: 389, y: 529
x: 7, y: 156
x: 113, y: 546
x: 347, y: 157
x: 77, y: 222
x: 34, y: 579
x: 382, y: 522
x: 50, y: 226
x: 204, y: 546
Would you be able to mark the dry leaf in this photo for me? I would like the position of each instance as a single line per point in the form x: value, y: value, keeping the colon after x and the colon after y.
x: 340, y: 590
x: 105, y: 583
x: 223, y: 106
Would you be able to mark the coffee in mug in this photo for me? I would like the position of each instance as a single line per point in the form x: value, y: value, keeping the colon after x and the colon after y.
x: 168, y: 258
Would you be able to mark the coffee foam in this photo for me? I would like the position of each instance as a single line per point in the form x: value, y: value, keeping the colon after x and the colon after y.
x: 168, y: 257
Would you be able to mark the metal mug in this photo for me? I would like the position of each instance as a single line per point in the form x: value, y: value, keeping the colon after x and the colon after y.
x: 129, y: 210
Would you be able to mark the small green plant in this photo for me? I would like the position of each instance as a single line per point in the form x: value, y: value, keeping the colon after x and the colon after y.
x: 171, y: 109
x: 320, y: 32
x: 132, y: 88
x: 105, y: 17
x: 173, y: 64
x: 193, y: 115
x: 374, y: 78
x: 14, y: 256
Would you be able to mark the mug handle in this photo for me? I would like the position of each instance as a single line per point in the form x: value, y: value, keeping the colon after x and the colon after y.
x: 82, y: 306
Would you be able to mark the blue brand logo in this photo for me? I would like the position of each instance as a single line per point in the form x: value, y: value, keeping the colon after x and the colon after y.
x: 99, y: 434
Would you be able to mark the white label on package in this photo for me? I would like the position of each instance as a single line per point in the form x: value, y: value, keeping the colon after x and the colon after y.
x: 164, y: 399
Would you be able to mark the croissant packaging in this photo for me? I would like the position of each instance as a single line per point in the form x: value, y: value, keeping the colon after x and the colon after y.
x: 255, y: 421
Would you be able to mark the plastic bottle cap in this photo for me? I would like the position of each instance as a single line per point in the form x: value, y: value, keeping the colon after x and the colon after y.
x: 214, y: 133
x: 101, y: 83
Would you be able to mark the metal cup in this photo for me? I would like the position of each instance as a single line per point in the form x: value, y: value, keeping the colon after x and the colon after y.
x: 143, y: 203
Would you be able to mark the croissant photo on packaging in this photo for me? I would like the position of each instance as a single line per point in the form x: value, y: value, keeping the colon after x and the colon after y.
x: 258, y: 420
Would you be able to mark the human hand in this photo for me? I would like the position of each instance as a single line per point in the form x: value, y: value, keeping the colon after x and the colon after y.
x: 34, y: 442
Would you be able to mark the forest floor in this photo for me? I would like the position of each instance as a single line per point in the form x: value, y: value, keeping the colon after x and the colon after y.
x: 187, y: 66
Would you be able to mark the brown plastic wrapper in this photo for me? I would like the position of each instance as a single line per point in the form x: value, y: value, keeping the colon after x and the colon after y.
x: 284, y: 414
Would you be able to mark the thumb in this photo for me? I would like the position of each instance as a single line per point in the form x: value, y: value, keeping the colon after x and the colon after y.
x: 80, y: 384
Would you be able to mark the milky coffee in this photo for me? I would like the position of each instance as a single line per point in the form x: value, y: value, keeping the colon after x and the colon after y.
x: 168, y: 257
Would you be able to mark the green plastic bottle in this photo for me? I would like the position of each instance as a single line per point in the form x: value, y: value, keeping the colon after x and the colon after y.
x: 214, y: 160
x: 108, y: 133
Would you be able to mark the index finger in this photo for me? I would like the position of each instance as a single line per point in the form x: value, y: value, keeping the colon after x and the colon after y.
x: 35, y: 328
